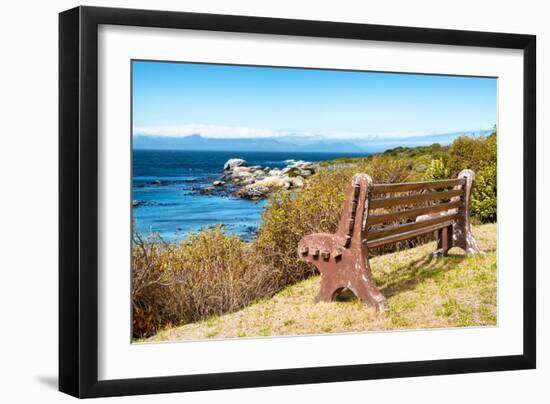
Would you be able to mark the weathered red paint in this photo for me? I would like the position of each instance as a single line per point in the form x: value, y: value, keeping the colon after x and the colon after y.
x: 347, y: 265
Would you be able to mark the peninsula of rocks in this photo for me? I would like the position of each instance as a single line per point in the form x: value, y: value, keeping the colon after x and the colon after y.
x: 241, y: 180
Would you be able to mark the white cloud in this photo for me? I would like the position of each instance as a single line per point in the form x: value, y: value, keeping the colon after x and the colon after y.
x: 209, y: 131
x: 237, y: 132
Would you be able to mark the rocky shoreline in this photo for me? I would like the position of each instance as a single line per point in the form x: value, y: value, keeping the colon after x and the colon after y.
x: 241, y: 180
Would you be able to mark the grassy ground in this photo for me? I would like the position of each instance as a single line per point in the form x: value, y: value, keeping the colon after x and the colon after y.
x: 422, y: 292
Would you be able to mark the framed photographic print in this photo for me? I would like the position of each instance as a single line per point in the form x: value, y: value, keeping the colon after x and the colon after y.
x: 251, y: 201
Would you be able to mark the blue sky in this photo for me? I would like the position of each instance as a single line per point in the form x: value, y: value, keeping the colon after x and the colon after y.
x: 220, y: 101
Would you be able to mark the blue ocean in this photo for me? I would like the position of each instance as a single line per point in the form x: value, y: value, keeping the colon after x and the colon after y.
x: 165, y: 200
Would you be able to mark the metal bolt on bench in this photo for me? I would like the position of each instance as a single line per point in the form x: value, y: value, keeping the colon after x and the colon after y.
x: 343, y: 258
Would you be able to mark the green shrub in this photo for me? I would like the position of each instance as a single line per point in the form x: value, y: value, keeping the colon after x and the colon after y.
x: 472, y: 153
x: 437, y: 170
x: 480, y: 155
x: 387, y: 169
x: 484, y: 198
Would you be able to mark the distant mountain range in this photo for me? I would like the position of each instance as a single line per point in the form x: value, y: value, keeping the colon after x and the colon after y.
x: 197, y: 142
x: 293, y: 144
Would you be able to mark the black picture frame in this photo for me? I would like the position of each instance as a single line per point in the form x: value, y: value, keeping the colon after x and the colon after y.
x: 78, y: 201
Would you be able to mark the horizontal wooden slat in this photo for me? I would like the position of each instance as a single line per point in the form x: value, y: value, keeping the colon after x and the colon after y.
x: 403, y: 228
x: 407, y: 214
x: 416, y: 186
x: 407, y: 235
x: 413, y: 199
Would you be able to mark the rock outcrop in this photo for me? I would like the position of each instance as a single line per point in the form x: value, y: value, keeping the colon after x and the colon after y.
x: 232, y: 163
x: 241, y: 180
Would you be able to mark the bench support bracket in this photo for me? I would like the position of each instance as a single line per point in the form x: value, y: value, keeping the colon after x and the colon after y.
x: 462, y: 229
x: 342, y: 258
x: 444, y: 239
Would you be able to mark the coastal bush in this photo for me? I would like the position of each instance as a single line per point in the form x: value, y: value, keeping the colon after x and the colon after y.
x: 472, y: 153
x: 480, y: 155
x: 437, y: 170
x: 293, y: 172
x: 207, y: 274
x: 417, y: 151
x: 388, y: 169
x: 484, y: 197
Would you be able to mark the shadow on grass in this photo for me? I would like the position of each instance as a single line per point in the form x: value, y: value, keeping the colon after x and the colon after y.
x: 409, y: 276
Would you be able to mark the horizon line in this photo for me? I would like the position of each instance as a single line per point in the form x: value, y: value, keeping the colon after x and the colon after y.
x: 247, y: 133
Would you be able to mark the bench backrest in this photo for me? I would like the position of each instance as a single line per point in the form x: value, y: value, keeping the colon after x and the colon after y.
x: 371, y: 210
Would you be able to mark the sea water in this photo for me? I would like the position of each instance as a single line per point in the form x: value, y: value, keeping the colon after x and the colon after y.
x: 163, y: 183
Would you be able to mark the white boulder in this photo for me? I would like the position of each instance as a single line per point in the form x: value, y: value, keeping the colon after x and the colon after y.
x: 232, y: 163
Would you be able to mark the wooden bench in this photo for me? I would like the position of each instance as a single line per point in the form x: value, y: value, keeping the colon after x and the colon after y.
x: 368, y: 221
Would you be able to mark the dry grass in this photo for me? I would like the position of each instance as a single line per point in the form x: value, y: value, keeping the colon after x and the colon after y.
x: 209, y: 273
x: 422, y: 292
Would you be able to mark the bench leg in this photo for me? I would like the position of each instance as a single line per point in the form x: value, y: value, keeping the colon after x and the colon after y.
x: 462, y: 229
x: 444, y: 239
x: 463, y: 237
x: 342, y: 258
x: 354, y: 275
